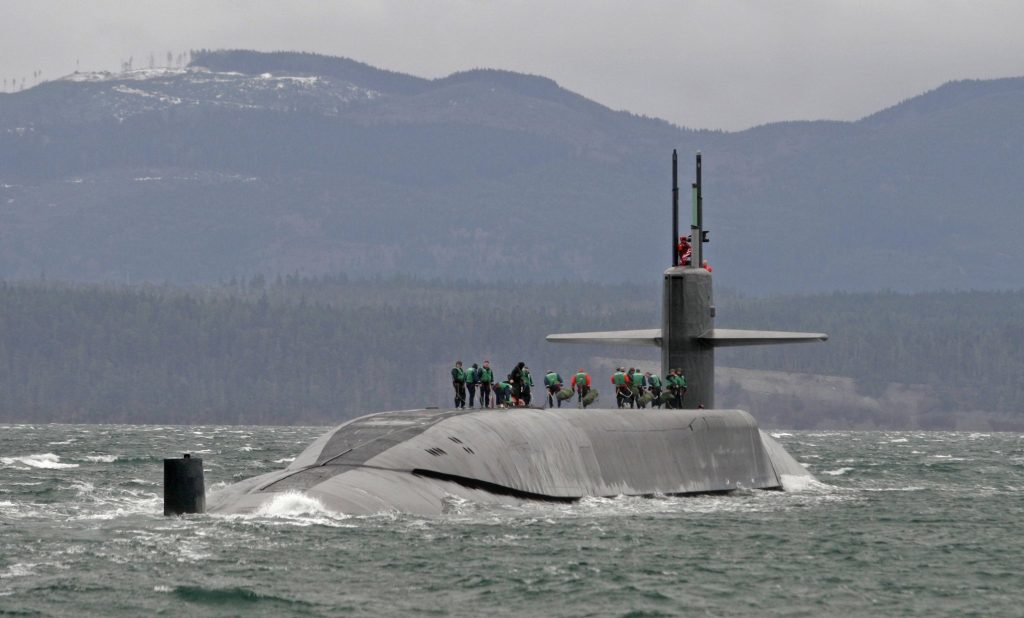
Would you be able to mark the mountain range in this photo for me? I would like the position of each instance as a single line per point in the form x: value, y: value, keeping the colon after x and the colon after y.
x: 278, y: 163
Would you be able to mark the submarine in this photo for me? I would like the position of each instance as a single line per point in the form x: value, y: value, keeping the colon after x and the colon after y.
x: 418, y: 461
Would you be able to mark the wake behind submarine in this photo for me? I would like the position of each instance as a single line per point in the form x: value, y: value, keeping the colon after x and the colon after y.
x: 415, y: 461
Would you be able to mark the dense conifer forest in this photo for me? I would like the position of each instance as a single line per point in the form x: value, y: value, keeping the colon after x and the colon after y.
x: 294, y: 350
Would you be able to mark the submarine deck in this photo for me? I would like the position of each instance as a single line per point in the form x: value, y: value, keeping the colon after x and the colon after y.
x: 409, y: 460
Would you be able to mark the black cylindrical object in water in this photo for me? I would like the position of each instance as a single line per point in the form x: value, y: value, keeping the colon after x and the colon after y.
x: 184, y: 490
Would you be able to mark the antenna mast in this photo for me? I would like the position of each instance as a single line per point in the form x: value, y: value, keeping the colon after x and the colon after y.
x: 697, y: 225
x: 675, y: 208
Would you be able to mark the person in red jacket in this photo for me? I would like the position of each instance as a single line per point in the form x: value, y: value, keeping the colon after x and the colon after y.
x: 706, y: 266
x: 685, y: 250
x: 622, y: 387
x: 581, y: 384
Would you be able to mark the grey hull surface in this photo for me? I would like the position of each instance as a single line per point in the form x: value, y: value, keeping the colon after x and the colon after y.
x: 416, y: 461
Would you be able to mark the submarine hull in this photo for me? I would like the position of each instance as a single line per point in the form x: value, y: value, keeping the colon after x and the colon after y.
x: 416, y: 461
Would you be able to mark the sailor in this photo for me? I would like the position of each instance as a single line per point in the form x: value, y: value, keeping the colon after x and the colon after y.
x: 637, y: 385
x: 502, y: 394
x: 485, y: 377
x: 553, y: 382
x: 672, y: 387
x: 527, y: 386
x: 654, y: 383
x: 685, y: 250
x: 706, y: 266
x: 676, y: 382
x: 631, y: 398
x: 581, y: 384
x: 459, y: 384
x: 621, y: 381
x: 471, y: 382
x: 516, y: 380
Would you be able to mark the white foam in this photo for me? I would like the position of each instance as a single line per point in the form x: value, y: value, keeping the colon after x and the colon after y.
x: 41, y: 460
x: 908, y: 488
x: 898, y: 440
x: 837, y: 472
x: 284, y: 460
x: 796, y: 483
x: 101, y: 458
x: 781, y: 435
x: 18, y: 570
x: 291, y: 504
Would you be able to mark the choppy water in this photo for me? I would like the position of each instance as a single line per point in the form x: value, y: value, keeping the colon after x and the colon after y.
x: 923, y: 524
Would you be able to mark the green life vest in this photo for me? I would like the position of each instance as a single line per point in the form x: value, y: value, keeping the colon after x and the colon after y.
x: 527, y: 378
x: 581, y: 379
x: 619, y: 378
x: 486, y: 375
x: 458, y: 374
x: 471, y: 375
x: 551, y: 379
x: 654, y: 381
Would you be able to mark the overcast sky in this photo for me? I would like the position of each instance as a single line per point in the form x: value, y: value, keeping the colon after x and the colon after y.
x: 727, y: 64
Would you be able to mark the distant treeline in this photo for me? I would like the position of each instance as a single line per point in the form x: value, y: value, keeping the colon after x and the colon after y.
x: 292, y: 352
x: 298, y: 350
x: 968, y: 346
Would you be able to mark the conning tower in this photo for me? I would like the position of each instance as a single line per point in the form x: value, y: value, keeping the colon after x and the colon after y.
x: 688, y: 336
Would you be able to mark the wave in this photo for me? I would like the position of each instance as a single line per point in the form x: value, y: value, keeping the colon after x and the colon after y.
x: 798, y: 483
x: 41, y: 460
x: 20, y: 569
x: 290, y: 504
x: 295, y: 508
x: 837, y: 472
x: 228, y: 596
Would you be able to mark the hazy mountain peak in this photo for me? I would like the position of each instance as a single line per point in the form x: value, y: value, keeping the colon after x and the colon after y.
x: 949, y: 96
x: 300, y: 63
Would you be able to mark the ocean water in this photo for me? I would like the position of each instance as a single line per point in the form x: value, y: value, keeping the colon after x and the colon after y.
x: 897, y: 524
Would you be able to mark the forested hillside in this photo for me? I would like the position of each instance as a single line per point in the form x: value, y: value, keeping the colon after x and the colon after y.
x: 249, y: 162
x: 293, y: 350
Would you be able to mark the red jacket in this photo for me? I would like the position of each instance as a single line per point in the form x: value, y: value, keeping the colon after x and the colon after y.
x: 574, y: 380
x: 685, y: 251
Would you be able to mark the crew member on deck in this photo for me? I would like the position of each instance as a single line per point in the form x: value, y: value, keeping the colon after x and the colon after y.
x: 676, y: 383
x: 637, y: 385
x: 516, y: 380
x: 472, y: 379
x: 459, y: 384
x: 503, y: 394
x: 621, y: 381
x: 654, y: 383
x: 486, y: 377
x: 527, y: 386
x: 581, y: 383
x: 553, y: 382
